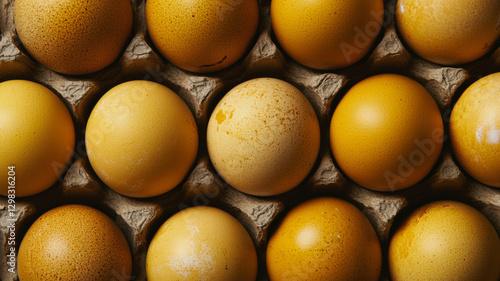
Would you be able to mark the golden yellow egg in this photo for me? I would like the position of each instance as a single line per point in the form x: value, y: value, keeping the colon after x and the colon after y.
x: 326, y: 34
x: 74, y: 242
x: 324, y: 239
x: 475, y: 130
x: 37, y: 138
x: 141, y: 139
x: 263, y: 137
x: 71, y: 36
x: 202, y: 36
x: 445, y: 240
x: 386, y: 133
x: 449, y: 32
x: 201, y: 243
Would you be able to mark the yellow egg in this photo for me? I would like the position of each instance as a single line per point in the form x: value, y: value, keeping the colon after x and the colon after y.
x: 71, y: 36
x: 449, y: 32
x: 141, y: 139
x: 445, y: 240
x: 37, y: 137
x: 74, y: 242
x: 201, y: 243
x: 324, y: 239
x: 326, y: 34
x: 202, y: 36
x: 475, y: 130
x: 386, y: 133
x: 263, y: 137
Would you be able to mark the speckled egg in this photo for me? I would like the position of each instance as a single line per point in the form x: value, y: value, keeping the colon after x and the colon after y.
x: 74, y: 242
x: 202, y: 36
x: 445, y: 240
x: 263, y: 137
x: 37, y: 138
x: 449, y: 32
x: 326, y: 34
x: 201, y: 243
x: 73, y: 37
x: 475, y: 130
x: 141, y: 139
x: 387, y: 132
x: 324, y: 239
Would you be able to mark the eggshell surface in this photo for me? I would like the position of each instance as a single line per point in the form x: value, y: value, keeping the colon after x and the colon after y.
x: 445, y: 240
x: 449, y: 32
x: 387, y: 132
x: 141, y: 139
x: 475, y: 130
x: 202, y: 36
x: 73, y: 37
x: 74, y: 242
x: 263, y: 137
x: 37, y: 137
x: 324, y: 239
x: 326, y: 34
x: 201, y: 243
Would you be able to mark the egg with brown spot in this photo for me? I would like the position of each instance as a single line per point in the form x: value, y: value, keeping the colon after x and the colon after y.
x: 202, y: 36
x: 445, y: 240
x: 141, y: 139
x: 324, y: 239
x: 73, y: 37
x: 475, y: 130
x: 74, y: 242
x: 202, y: 243
x: 263, y: 137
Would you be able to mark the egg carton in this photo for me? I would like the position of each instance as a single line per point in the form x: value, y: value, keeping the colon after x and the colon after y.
x: 139, y: 219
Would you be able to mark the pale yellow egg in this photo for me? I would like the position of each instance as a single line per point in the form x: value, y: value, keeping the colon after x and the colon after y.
x: 201, y: 243
x: 263, y: 137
